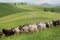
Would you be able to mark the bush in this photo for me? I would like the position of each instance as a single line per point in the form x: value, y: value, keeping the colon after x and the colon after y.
x: 23, y: 3
x: 52, y: 10
x: 46, y: 9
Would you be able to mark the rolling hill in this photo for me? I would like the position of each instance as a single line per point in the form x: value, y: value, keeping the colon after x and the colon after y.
x: 14, y: 15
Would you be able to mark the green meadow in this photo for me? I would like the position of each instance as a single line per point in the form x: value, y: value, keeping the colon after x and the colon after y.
x: 14, y: 15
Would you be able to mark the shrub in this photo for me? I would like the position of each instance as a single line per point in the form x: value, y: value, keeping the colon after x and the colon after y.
x: 46, y: 9
x: 52, y: 10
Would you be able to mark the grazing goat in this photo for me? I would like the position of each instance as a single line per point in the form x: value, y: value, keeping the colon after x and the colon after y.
x: 26, y: 28
x: 21, y: 28
x: 48, y: 24
x: 33, y: 28
x: 17, y: 30
x: 41, y: 25
x: 56, y: 22
x: 8, y: 32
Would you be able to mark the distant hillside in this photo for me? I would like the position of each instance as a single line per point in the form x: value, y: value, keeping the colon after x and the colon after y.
x: 46, y: 4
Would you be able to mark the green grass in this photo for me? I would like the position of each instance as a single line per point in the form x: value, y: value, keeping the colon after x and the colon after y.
x: 14, y: 15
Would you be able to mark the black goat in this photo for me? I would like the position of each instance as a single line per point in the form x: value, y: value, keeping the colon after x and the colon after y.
x: 8, y: 32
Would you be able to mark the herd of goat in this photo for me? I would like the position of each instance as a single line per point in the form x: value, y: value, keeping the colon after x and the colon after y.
x: 29, y: 28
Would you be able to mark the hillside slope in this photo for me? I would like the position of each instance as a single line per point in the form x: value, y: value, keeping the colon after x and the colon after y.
x: 8, y: 9
x: 14, y: 15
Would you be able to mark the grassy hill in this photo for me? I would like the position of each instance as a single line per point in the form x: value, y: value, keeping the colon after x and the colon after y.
x: 8, y: 9
x: 14, y: 15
